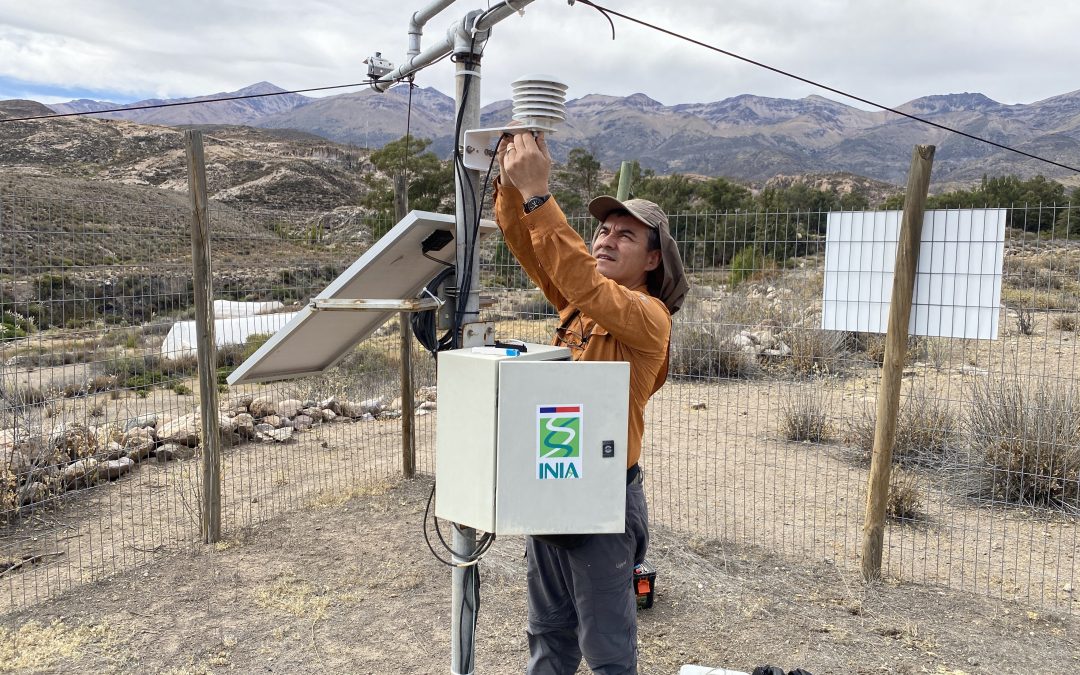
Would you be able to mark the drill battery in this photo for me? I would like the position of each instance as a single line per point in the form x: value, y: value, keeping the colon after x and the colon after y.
x: 644, y: 584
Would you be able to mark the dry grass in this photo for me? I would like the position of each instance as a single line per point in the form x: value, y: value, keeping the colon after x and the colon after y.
x: 37, y: 648
x: 697, y: 352
x: 1065, y: 322
x: 814, y: 351
x: 805, y: 415
x: 926, y: 429
x: 905, y: 500
x: 294, y: 596
x: 1027, y: 437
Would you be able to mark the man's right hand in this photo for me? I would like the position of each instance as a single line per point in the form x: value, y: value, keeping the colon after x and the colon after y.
x: 525, y: 163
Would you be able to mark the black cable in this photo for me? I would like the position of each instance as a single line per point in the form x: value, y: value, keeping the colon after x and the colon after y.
x: 179, y: 103
x: 606, y: 11
x: 483, y: 543
x: 408, y: 128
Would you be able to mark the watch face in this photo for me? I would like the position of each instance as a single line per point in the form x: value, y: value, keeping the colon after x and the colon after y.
x: 535, y: 202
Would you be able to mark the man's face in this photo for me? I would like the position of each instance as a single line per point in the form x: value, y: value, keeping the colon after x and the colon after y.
x: 621, y: 248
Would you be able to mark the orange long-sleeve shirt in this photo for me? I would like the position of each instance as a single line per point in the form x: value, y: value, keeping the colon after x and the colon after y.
x: 621, y: 324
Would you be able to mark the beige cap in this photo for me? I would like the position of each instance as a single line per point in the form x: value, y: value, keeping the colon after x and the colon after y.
x: 668, y: 281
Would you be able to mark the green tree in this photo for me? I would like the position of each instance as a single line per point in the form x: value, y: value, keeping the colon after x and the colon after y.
x: 580, y: 177
x: 431, y: 180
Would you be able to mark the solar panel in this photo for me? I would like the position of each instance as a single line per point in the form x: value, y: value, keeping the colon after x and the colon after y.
x: 386, y: 279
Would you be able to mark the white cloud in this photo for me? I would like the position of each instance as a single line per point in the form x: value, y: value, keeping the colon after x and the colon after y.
x: 883, y: 50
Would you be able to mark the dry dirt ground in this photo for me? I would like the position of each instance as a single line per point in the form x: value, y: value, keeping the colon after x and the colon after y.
x: 350, y: 587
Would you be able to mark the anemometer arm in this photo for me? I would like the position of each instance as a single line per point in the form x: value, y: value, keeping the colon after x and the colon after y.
x: 472, y: 29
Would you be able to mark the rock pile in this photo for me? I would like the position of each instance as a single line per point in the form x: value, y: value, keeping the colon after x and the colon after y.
x: 75, y: 456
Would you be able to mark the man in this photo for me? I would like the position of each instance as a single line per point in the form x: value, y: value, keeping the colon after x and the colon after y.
x: 614, y: 304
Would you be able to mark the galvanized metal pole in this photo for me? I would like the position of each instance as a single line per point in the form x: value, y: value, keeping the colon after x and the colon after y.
x: 467, y: 183
x: 204, y: 334
x: 892, y: 369
x: 408, y: 419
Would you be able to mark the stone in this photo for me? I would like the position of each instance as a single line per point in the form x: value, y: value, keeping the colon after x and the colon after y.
x: 273, y: 420
x: 82, y: 473
x: 241, y: 402
x: 183, y: 431
x: 245, y: 425
x: 290, y: 407
x: 263, y: 428
x: 261, y: 407
x: 350, y: 409
x: 33, y: 493
x: 138, y: 444
x: 141, y: 422
x: 114, y: 468
x: 281, y: 435
x: 427, y: 405
x: 374, y: 405
x: 429, y: 393
x: 226, y: 426
x: 114, y: 451
x: 331, y: 404
x: 329, y: 415
x: 700, y: 405
x: 137, y: 436
x: 314, y: 413
x: 309, y: 403
x: 302, y: 422
x: 173, y: 451
x: 367, y: 417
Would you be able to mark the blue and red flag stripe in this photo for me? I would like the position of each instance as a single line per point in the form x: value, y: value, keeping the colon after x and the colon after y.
x: 560, y: 409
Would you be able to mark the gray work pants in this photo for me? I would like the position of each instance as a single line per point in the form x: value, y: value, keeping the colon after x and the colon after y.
x: 582, y: 601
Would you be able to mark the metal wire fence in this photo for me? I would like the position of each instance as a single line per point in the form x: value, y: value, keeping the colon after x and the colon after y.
x: 760, y: 436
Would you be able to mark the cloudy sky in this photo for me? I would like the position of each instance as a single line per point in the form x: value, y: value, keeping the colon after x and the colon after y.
x: 889, y: 51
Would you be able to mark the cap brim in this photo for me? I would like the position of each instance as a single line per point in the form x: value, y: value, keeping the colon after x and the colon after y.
x: 603, y: 205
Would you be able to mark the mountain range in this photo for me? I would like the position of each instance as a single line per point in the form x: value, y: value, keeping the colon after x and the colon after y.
x: 746, y: 138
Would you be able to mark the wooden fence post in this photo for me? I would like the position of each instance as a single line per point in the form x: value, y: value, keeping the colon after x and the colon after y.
x: 892, y: 369
x: 408, y: 418
x: 204, y: 335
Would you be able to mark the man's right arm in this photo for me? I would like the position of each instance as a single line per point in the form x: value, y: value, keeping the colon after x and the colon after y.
x: 509, y: 211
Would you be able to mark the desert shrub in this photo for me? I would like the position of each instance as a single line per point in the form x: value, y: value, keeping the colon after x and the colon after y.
x: 744, y: 265
x: 872, y: 346
x: 1030, y: 272
x: 20, y: 396
x: 740, y: 310
x: 697, y: 352
x: 181, y: 389
x: 101, y: 383
x: 905, y: 501
x: 532, y: 305
x: 814, y: 351
x: 1026, y: 437
x: 252, y: 344
x: 1025, y: 320
x: 926, y: 429
x: 805, y: 415
x: 1065, y: 322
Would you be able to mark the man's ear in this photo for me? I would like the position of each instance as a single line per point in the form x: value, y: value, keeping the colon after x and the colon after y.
x: 652, y: 261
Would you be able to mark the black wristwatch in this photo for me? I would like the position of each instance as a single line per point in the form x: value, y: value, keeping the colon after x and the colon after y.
x: 533, y: 203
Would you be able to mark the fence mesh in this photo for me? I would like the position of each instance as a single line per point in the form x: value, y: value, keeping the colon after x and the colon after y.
x: 761, y: 436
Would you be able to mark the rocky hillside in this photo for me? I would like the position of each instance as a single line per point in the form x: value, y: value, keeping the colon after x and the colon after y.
x: 272, y: 191
x: 747, y: 138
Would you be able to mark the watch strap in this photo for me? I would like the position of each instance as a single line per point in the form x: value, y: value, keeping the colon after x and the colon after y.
x: 533, y: 203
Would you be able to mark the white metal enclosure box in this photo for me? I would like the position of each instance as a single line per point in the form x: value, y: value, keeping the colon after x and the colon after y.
x: 531, y: 444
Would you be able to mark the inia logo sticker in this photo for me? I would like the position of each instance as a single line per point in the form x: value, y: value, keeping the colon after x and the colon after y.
x: 558, y: 441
